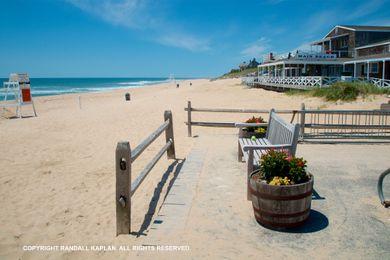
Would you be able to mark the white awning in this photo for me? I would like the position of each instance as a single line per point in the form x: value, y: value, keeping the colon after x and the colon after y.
x: 326, y: 39
x: 293, y: 61
x: 367, y: 60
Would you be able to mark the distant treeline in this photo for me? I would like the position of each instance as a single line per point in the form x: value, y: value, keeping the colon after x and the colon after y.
x: 243, y: 69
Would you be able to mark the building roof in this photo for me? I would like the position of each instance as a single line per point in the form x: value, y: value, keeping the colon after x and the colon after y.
x: 361, y: 28
x: 366, y: 27
x: 319, y: 42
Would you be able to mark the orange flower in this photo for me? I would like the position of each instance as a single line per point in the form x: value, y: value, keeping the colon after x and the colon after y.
x: 301, y: 163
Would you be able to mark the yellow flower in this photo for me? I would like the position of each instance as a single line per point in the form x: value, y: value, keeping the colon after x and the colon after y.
x: 280, y: 181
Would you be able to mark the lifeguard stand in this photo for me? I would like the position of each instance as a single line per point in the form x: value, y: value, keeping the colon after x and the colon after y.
x: 18, y: 88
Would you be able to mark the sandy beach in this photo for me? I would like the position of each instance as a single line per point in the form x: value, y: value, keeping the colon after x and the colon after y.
x: 57, y: 180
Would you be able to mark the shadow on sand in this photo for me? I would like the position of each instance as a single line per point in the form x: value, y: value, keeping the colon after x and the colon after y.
x: 316, y: 222
x: 16, y: 117
x: 175, y: 167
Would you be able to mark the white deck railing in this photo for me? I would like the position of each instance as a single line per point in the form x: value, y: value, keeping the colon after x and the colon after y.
x: 381, y: 83
x: 298, y: 82
x: 307, y: 82
x: 249, y: 80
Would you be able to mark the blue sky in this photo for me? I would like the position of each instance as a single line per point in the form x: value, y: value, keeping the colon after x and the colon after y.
x: 146, y: 38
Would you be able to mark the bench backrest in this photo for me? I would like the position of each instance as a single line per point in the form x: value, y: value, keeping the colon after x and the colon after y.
x: 281, y: 132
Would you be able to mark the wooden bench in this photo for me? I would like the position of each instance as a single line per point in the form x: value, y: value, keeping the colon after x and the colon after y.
x: 280, y: 136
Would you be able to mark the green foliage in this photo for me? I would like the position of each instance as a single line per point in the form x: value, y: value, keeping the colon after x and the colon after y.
x: 279, y: 164
x: 236, y: 73
x: 346, y: 91
x: 274, y: 163
x: 340, y: 91
x: 297, y: 170
x: 255, y: 120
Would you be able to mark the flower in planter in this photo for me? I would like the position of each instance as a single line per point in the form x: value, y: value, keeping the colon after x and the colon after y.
x: 260, y: 130
x: 257, y: 120
x: 279, y: 168
x: 280, y: 181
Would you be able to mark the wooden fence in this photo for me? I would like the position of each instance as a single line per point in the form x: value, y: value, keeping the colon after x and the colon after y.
x: 344, y: 124
x: 191, y: 123
x: 315, y: 124
x: 124, y: 157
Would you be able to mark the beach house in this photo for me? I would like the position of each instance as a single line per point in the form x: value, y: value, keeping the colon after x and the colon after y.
x: 345, y: 53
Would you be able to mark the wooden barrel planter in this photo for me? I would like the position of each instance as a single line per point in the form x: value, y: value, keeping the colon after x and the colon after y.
x: 281, y: 206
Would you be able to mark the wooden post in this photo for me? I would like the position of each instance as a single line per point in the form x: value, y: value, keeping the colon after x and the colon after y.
x: 169, y: 135
x: 295, y: 140
x: 249, y: 171
x: 383, y: 73
x: 189, y: 119
x: 123, y: 186
x: 302, y: 121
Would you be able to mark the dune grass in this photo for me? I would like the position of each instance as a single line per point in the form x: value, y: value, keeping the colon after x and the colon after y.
x: 345, y: 91
x: 237, y: 73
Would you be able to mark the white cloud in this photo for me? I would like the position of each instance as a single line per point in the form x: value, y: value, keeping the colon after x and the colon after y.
x: 305, y: 47
x: 184, y: 41
x: 381, y: 22
x: 128, y: 13
x: 323, y: 20
x: 141, y: 15
x: 365, y: 9
x: 256, y: 49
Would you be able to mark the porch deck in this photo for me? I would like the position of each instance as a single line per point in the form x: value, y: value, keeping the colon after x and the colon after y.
x: 305, y: 82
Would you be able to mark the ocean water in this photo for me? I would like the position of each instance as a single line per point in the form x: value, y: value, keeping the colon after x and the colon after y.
x: 58, y: 86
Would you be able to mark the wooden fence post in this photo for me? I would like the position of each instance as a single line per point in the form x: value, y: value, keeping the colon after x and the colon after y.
x: 189, y: 119
x: 123, y: 186
x: 249, y: 165
x: 302, y: 132
x: 169, y: 135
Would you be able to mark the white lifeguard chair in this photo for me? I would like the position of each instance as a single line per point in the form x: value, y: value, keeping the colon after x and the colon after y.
x: 18, y: 89
x: 172, y: 79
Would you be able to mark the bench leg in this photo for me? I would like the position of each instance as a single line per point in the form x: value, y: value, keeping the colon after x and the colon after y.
x: 249, y: 171
x: 239, y: 153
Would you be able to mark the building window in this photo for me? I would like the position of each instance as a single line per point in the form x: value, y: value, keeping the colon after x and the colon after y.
x: 374, y: 67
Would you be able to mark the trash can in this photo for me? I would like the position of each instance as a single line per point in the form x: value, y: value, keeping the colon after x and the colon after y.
x: 127, y: 96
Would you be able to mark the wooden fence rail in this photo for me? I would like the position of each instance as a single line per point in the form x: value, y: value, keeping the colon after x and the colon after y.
x: 124, y: 157
x: 345, y: 124
x: 315, y: 123
x: 191, y: 123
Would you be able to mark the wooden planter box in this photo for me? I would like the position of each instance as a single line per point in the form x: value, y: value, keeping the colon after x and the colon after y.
x: 281, y: 206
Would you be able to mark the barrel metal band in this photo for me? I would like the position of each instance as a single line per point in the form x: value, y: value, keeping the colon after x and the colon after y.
x: 271, y: 197
x: 280, y: 215
x: 276, y: 224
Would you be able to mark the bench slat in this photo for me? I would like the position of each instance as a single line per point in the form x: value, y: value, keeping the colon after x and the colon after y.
x: 257, y: 153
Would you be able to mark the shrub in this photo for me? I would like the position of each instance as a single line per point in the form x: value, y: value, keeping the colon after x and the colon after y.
x: 346, y: 91
x: 278, y: 168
